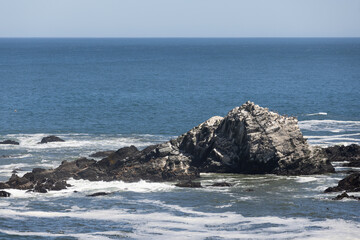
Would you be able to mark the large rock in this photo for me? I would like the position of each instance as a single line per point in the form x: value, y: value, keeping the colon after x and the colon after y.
x: 250, y: 139
x: 51, y: 138
x: 11, y: 142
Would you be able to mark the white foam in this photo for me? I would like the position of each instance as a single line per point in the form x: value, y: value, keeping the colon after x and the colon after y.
x: 84, y: 187
x: 306, y: 179
x: 193, y: 224
x: 317, y: 114
x: 330, y: 125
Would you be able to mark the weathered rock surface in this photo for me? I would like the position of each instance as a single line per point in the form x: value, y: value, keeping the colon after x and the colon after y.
x: 51, y: 138
x: 350, y: 154
x: 350, y: 184
x: 250, y: 139
x: 101, y: 154
x: 11, y: 142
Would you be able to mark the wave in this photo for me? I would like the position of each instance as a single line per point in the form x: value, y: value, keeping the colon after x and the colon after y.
x: 334, y: 126
x: 190, y: 224
x: 317, y: 114
x: 80, y: 188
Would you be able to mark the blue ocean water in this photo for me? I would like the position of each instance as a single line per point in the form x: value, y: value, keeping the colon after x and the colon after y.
x: 167, y: 86
x: 103, y: 94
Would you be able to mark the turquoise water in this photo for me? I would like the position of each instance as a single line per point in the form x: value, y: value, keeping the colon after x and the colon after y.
x: 103, y: 94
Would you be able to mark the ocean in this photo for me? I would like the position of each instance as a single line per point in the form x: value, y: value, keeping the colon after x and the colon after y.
x: 104, y: 94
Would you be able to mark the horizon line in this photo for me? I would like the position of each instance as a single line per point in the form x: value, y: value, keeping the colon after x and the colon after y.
x: 163, y: 37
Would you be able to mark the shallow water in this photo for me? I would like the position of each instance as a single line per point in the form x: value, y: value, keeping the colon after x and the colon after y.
x: 103, y: 94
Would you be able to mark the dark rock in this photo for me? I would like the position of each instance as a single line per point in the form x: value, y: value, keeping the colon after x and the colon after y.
x: 249, y: 190
x: 4, y: 185
x: 4, y: 156
x: 4, y: 194
x: 351, y: 184
x: 102, y: 154
x: 221, y: 184
x: 11, y: 142
x: 98, y: 194
x: 345, y: 195
x: 189, y: 184
x: 51, y: 138
x: 343, y: 153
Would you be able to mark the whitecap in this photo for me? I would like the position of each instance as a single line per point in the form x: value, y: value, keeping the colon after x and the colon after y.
x: 199, y: 225
x: 329, y: 125
x: 317, y: 114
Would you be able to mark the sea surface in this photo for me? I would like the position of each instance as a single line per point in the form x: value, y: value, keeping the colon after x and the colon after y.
x: 104, y: 94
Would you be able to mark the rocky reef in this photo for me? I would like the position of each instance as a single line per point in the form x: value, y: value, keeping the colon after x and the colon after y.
x: 348, y: 154
x: 249, y: 139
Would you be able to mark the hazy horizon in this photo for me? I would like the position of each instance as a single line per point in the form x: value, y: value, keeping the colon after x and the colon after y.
x: 180, y: 19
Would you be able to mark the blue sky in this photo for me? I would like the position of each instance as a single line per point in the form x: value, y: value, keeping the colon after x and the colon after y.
x: 180, y: 18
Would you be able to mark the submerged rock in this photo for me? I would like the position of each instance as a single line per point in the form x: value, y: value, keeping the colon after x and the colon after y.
x: 250, y: 139
x: 221, y: 184
x: 350, y: 183
x: 51, y: 138
x: 98, y: 194
x: 10, y: 142
x: 189, y: 184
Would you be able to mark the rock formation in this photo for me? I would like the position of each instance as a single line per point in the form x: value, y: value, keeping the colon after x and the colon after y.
x: 11, y: 142
x: 51, y: 138
x: 351, y: 184
x: 250, y: 139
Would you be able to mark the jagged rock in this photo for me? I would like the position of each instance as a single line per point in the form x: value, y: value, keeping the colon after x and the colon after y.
x: 98, y: 194
x: 221, y: 184
x: 102, y: 154
x: 345, y: 195
x: 251, y: 139
x: 11, y: 142
x: 51, y: 138
x: 351, y: 184
x: 189, y: 184
x: 4, y: 194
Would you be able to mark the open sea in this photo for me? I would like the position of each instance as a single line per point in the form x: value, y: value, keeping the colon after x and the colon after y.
x: 104, y: 94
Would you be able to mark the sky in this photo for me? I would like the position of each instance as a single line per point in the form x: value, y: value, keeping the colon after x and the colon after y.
x: 179, y: 18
